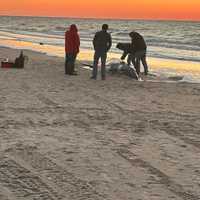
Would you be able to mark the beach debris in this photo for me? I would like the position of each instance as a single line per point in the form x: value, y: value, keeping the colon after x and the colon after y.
x: 87, y: 65
x: 19, y: 62
x: 4, y: 59
x: 176, y: 78
x: 7, y: 64
x: 41, y: 43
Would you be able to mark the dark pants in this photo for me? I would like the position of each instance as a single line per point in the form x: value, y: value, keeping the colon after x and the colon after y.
x: 70, y: 60
x: 97, y: 56
x: 131, y: 59
x: 141, y: 56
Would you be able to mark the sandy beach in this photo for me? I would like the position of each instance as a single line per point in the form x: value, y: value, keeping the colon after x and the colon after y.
x: 72, y: 138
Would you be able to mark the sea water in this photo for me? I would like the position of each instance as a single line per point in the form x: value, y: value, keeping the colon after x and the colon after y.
x: 175, y: 43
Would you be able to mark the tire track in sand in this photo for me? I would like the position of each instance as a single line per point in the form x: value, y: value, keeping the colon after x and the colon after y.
x: 24, y: 184
x: 165, y: 180
x: 74, y: 187
x: 27, y: 89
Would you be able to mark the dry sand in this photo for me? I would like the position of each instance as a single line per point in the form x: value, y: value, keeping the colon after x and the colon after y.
x: 71, y: 138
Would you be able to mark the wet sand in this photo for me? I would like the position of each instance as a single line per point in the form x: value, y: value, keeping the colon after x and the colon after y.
x: 73, y: 138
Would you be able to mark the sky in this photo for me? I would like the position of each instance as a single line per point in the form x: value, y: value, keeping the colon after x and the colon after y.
x: 131, y: 9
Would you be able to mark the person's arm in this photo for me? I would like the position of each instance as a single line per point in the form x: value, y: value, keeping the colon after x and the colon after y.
x: 66, y: 42
x: 94, y: 41
x: 109, y: 42
x: 77, y: 43
x: 124, y: 55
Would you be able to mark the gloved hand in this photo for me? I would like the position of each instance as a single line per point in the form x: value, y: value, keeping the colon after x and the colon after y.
x: 122, y: 62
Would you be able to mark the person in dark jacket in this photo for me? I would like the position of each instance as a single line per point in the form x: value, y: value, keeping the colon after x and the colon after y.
x: 127, y: 51
x: 139, y: 49
x: 72, y: 44
x: 102, y: 43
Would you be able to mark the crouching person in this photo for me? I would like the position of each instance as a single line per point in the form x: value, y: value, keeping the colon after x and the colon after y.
x: 127, y: 51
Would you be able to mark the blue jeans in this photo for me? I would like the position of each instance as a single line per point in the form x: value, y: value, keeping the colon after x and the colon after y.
x: 97, y: 56
x: 70, y: 63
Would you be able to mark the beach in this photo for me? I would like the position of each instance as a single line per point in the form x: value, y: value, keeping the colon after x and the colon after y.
x: 170, y: 51
x: 69, y: 137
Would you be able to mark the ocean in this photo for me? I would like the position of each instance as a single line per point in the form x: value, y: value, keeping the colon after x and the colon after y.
x: 169, y: 40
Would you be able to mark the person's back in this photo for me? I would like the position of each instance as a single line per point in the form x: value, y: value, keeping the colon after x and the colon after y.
x: 138, y: 41
x: 72, y: 40
x: 126, y: 47
x: 102, y: 43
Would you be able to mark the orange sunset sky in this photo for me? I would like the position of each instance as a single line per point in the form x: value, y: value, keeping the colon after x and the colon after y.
x: 133, y: 9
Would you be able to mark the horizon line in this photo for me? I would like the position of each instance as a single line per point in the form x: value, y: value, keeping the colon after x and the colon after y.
x: 101, y: 18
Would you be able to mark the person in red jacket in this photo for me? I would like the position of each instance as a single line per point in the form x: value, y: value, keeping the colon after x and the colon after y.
x: 72, y: 44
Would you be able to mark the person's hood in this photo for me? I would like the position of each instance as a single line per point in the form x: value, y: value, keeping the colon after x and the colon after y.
x: 73, y: 28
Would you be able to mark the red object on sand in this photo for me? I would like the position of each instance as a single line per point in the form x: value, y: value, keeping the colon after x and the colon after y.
x: 7, y: 64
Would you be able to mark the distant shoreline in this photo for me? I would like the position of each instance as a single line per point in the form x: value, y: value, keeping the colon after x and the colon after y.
x: 109, y: 19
